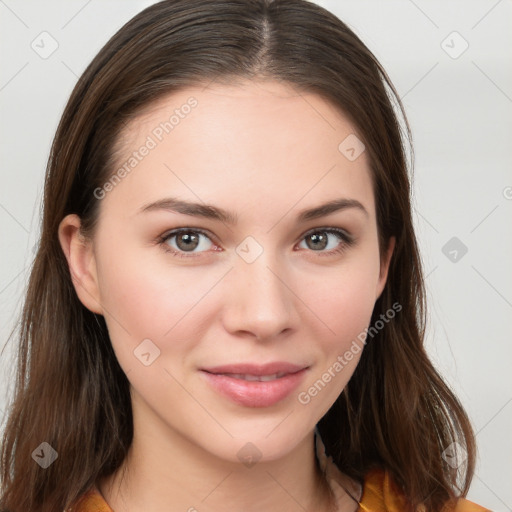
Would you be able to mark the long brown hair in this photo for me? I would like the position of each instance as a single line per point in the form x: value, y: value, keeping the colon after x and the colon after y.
x: 396, y: 413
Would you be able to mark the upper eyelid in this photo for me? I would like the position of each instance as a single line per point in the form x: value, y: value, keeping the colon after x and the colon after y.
x: 177, y: 231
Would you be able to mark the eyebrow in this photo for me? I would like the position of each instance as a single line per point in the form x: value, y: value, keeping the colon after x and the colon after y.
x: 208, y: 211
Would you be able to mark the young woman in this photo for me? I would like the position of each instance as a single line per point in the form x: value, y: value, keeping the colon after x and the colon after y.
x: 226, y: 311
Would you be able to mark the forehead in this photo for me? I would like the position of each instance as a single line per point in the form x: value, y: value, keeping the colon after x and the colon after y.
x: 255, y: 139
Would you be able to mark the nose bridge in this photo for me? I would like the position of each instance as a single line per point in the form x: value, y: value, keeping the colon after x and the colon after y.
x: 260, y: 301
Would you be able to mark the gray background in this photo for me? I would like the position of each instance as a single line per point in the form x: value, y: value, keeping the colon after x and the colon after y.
x: 459, y: 104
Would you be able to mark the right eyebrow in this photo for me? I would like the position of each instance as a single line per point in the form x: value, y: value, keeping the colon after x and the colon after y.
x: 173, y: 204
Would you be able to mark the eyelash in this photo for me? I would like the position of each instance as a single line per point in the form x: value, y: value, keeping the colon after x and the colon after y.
x: 346, y: 240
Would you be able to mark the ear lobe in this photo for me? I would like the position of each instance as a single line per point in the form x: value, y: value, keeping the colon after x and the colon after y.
x: 81, y: 261
x: 384, y: 267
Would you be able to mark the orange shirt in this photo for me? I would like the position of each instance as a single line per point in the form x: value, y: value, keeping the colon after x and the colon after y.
x: 378, y: 494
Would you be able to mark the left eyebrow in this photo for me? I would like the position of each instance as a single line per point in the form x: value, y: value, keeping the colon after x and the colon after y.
x: 330, y: 207
x: 208, y: 211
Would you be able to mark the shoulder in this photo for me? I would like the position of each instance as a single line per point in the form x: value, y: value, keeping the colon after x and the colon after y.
x: 90, y: 501
x: 382, y: 494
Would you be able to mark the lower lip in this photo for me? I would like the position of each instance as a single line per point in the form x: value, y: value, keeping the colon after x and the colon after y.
x: 256, y: 393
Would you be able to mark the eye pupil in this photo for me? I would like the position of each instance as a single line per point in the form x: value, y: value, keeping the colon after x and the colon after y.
x: 319, y: 241
x: 190, y: 240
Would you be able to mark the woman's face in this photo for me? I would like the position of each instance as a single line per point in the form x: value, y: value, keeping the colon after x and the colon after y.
x: 253, y: 279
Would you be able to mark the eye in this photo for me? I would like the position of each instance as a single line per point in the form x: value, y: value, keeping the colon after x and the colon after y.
x: 334, y: 239
x: 185, y: 240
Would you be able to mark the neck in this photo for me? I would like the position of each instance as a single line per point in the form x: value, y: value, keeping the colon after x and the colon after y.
x: 164, y: 470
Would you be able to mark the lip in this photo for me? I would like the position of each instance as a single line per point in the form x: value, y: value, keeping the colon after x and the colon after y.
x: 255, y: 369
x: 256, y: 393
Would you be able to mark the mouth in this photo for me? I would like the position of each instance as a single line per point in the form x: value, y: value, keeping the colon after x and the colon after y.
x: 254, y: 378
x: 274, y: 369
x: 251, y: 385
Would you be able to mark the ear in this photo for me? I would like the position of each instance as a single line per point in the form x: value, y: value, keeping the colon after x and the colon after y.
x: 384, y: 267
x: 81, y: 261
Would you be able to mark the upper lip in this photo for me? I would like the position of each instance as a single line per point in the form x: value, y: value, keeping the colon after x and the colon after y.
x: 254, y: 369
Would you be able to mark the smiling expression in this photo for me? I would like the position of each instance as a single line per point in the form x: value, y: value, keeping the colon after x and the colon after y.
x: 243, y: 235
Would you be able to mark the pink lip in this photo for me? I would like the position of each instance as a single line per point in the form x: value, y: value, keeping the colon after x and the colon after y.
x: 255, y: 369
x: 255, y: 393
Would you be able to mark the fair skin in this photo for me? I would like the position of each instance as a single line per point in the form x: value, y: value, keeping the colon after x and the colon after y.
x: 265, y: 153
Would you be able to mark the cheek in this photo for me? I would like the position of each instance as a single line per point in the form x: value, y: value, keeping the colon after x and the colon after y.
x: 153, y: 301
x: 343, y: 301
x: 344, y: 298
x: 346, y: 312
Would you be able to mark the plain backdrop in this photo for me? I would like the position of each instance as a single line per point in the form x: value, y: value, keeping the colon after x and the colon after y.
x: 450, y: 62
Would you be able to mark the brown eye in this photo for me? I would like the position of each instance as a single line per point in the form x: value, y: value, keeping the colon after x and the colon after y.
x: 333, y: 239
x: 186, y: 241
x: 317, y: 240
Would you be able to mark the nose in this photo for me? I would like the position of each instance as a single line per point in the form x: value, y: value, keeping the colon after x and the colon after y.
x: 259, y: 300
